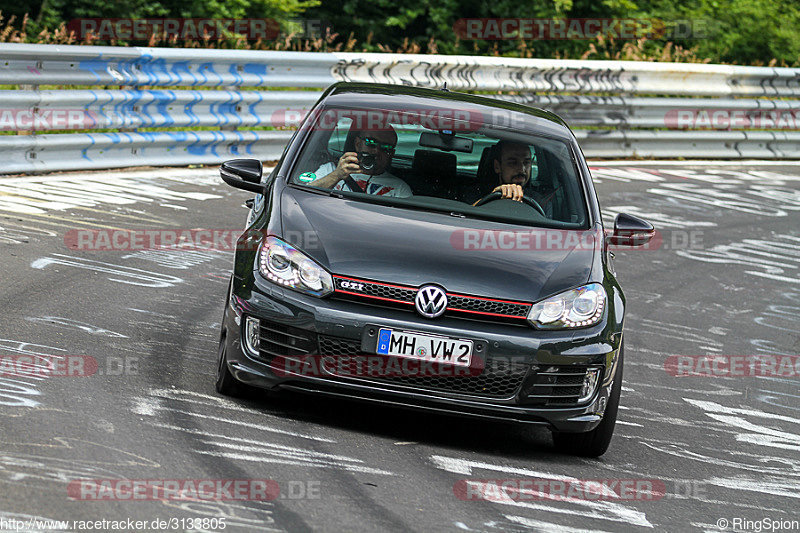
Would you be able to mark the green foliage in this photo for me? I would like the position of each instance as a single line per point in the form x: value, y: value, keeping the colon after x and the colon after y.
x: 755, y: 32
x: 750, y: 31
x: 735, y: 31
x: 49, y: 14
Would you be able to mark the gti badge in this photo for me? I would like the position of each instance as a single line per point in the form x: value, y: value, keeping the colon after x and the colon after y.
x: 431, y: 301
x: 352, y: 285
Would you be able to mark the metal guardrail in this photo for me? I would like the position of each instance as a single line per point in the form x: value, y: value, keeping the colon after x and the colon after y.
x: 629, y: 108
x: 39, y: 64
x: 136, y: 108
x: 698, y: 144
x: 636, y: 112
x: 79, y: 151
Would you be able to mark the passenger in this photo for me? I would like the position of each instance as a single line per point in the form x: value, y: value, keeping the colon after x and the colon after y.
x: 355, y: 175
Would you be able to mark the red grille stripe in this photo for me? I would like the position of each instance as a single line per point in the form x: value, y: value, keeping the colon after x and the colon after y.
x: 487, y: 299
x: 375, y: 297
x: 485, y: 313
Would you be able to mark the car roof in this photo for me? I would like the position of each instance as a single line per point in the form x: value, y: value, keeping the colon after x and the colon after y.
x: 379, y: 95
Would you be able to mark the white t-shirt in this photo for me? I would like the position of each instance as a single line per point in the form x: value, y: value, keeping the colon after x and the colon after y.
x: 381, y: 184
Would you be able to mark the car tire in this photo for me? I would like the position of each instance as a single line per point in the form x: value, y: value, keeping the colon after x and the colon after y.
x: 226, y: 384
x: 594, y: 443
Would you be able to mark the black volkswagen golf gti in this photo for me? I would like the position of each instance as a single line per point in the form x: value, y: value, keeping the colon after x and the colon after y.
x: 432, y: 250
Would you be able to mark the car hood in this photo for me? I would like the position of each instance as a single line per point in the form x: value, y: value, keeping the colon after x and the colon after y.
x: 410, y: 247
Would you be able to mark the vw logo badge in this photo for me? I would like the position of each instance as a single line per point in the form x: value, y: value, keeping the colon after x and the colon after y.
x: 431, y: 301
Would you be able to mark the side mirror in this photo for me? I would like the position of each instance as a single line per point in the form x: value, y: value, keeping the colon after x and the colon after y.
x: 243, y: 174
x: 631, y: 231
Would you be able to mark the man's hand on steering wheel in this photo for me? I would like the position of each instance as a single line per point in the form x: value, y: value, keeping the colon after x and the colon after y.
x: 512, y: 191
x: 498, y: 194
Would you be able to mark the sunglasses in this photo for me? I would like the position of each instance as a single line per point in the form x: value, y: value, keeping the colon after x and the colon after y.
x: 385, y: 147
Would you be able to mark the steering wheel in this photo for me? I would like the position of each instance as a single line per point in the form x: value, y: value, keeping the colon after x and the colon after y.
x: 497, y: 195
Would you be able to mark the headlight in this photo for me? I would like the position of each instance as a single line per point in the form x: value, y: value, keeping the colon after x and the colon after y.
x: 576, y: 308
x: 281, y: 263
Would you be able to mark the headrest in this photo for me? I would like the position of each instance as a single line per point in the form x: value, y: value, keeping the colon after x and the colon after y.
x: 487, y: 178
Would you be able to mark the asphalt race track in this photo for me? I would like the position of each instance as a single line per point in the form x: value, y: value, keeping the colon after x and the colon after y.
x: 724, y: 280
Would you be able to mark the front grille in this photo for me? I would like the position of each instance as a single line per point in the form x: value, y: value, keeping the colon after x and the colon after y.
x: 279, y: 340
x: 461, y: 305
x: 487, y: 306
x: 500, y: 379
x: 337, y: 346
x: 555, y: 386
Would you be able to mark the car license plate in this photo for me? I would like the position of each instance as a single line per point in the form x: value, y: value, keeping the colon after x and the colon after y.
x: 424, y: 347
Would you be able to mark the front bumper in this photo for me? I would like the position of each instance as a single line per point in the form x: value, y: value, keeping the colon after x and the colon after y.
x: 535, y: 357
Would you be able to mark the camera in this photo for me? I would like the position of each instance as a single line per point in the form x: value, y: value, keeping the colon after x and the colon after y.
x: 366, y: 160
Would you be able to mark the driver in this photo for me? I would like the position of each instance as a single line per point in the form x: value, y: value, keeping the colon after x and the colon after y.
x: 350, y: 173
x: 513, y: 166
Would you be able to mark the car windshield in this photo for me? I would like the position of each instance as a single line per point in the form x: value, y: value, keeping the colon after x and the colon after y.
x: 447, y: 164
